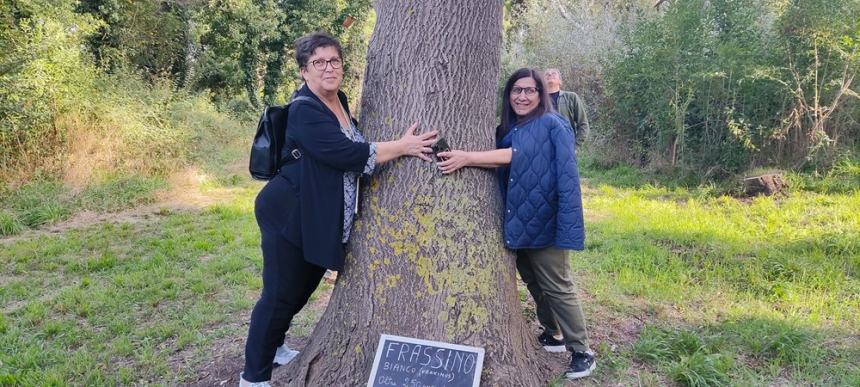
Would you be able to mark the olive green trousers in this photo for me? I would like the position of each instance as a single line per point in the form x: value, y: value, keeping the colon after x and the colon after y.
x: 547, y: 275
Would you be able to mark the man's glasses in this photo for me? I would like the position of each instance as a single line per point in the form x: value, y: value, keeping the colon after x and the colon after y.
x: 321, y: 64
x: 529, y: 91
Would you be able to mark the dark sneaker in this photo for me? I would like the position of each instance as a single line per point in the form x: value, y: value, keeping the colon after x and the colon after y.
x: 581, y: 365
x: 551, y: 344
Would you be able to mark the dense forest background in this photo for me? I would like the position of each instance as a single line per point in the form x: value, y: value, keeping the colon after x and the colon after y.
x: 123, y: 92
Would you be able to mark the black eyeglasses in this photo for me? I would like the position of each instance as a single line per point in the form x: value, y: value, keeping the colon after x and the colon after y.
x: 321, y: 64
x: 529, y: 91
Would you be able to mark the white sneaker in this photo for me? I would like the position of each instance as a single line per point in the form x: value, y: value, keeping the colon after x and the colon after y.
x: 245, y: 383
x: 284, y: 355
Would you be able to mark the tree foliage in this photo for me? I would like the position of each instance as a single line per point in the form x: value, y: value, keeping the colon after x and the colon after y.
x: 60, y: 59
x: 149, y: 35
x: 715, y: 87
x: 722, y: 85
x: 41, y: 71
x: 245, y: 45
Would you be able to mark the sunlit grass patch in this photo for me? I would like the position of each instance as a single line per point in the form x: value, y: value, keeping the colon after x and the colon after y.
x: 797, y: 252
x: 126, y: 295
x: 45, y: 202
x: 760, y: 289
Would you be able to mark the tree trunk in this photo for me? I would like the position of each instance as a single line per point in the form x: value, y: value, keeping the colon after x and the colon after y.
x: 426, y: 259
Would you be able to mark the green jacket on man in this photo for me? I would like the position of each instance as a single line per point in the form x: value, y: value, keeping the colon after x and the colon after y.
x: 572, y: 108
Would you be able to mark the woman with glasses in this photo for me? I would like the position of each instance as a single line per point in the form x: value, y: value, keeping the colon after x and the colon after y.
x: 306, y: 212
x: 536, y: 167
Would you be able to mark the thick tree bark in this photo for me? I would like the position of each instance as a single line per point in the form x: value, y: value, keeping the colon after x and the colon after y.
x: 426, y: 257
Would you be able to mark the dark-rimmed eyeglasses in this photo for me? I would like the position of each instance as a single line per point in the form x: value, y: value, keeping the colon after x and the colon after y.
x: 528, y: 91
x: 321, y: 64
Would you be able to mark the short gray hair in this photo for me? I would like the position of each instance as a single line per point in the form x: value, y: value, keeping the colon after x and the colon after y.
x: 306, y: 45
x: 553, y: 69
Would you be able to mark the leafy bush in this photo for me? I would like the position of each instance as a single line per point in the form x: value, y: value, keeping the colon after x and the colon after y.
x: 149, y: 35
x: 42, y: 73
x: 729, y: 85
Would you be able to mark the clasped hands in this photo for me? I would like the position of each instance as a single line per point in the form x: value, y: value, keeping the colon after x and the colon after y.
x: 419, y: 145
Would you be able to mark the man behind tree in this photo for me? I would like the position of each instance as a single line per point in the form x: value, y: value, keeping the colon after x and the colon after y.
x: 568, y: 104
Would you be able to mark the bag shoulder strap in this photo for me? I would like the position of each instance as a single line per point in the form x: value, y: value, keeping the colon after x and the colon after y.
x: 302, y: 98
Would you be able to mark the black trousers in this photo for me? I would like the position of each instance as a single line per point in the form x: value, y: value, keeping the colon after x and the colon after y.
x: 288, y: 282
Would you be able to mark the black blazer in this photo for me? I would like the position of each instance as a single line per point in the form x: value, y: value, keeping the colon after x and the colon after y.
x: 317, y: 224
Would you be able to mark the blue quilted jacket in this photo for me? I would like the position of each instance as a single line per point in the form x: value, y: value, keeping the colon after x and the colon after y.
x: 540, y: 188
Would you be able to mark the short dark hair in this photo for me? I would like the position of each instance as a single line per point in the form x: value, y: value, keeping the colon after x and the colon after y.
x: 306, y: 45
x: 509, y: 117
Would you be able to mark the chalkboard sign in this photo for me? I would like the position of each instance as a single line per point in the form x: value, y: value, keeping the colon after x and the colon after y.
x: 407, y: 362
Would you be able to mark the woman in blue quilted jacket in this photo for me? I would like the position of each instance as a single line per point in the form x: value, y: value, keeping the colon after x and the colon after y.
x: 535, y: 162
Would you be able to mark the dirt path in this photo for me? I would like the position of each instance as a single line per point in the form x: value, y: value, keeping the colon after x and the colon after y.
x: 183, y: 195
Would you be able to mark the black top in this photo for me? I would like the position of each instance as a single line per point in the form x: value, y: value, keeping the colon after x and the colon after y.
x: 554, y: 97
x: 317, y: 226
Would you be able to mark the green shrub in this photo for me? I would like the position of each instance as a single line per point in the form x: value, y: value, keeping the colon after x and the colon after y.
x: 723, y: 85
x: 149, y: 35
x: 42, y: 74
x: 844, y: 177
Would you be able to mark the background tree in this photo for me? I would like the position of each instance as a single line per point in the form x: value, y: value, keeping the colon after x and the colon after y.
x: 727, y: 85
x: 578, y: 37
x: 703, y: 88
x: 150, y: 35
x: 42, y: 71
x: 245, y: 44
x: 426, y: 259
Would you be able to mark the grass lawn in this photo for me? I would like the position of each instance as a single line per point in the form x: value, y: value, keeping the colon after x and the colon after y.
x: 117, y: 303
x: 680, y: 287
x: 719, y: 291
